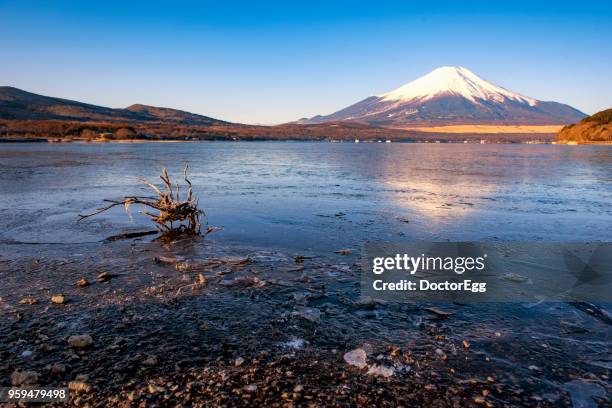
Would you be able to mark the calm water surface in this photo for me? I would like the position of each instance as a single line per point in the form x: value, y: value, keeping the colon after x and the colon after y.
x: 317, y: 196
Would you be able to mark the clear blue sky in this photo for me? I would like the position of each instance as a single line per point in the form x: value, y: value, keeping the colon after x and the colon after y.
x: 270, y: 62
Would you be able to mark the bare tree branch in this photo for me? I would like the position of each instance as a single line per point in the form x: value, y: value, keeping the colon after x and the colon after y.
x: 170, y: 208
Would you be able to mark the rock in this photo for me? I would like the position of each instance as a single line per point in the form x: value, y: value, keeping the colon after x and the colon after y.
x: 105, y: 276
x: 154, y: 389
x: 28, y: 301
x: 26, y: 354
x: 344, y: 251
x: 311, y: 314
x: 56, y: 369
x: 298, y: 388
x: 79, y: 387
x: 150, y: 361
x: 381, y: 371
x: 356, y: 358
x: 466, y: 344
x: 166, y: 259
x: 58, y: 299
x: 80, y: 341
x: 82, y: 283
x: 19, y: 378
x: 238, y: 362
x: 402, y: 219
x: 250, y: 387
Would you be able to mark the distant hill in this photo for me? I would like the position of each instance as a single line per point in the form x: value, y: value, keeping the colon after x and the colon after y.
x: 595, y: 128
x: 173, y: 115
x: 452, y: 96
x: 16, y: 104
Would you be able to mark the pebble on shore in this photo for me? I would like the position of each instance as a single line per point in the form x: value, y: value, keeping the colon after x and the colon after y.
x: 80, y: 341
x: 58, y: 299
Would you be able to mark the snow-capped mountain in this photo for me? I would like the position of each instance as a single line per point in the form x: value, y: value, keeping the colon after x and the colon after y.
x: 452, y: 95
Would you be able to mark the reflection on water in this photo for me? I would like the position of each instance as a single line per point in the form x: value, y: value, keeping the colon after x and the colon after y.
x: 442, y: 183
x: 317, y: 196
x: 438, y: 199
x: 445, y: 183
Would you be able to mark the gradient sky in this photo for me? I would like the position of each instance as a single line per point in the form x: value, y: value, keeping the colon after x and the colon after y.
x: 271, y: 62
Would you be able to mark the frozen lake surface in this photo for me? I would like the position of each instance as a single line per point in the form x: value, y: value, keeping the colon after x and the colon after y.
x: 317, y: 196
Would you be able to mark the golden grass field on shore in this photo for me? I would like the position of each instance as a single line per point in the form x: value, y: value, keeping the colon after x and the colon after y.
x: 488, y: 129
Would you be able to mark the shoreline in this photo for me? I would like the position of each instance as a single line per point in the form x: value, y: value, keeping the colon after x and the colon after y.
x: 471, y: 142
x: 386, y: 141
x: 193, y: 322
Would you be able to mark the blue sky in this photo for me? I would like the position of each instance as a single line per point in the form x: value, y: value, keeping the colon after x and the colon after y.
x: 271, y: 62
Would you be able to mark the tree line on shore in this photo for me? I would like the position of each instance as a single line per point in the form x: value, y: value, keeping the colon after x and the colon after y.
x: 58, y: 130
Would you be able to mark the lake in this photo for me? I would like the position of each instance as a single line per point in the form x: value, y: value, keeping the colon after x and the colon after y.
x: 317, y: 196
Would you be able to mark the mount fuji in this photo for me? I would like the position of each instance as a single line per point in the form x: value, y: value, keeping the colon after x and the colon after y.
x: 450, y: 96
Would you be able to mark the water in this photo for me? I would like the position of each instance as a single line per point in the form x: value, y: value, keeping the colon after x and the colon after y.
x: 317, y: 196
x: 276, y: 200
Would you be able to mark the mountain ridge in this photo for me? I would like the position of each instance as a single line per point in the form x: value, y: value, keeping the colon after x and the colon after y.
x: 17, y: 104
x: 451, y: 95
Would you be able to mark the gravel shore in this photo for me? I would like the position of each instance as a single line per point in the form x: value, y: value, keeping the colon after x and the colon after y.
x: 191, y: 324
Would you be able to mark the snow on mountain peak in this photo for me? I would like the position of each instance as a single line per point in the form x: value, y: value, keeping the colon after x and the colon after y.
x: 453, y: 81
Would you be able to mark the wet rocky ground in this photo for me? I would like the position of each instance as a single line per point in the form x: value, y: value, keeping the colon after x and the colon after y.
x: 192, y: 323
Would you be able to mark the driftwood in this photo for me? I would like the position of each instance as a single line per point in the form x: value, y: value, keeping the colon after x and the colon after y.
x: 171, y: 209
